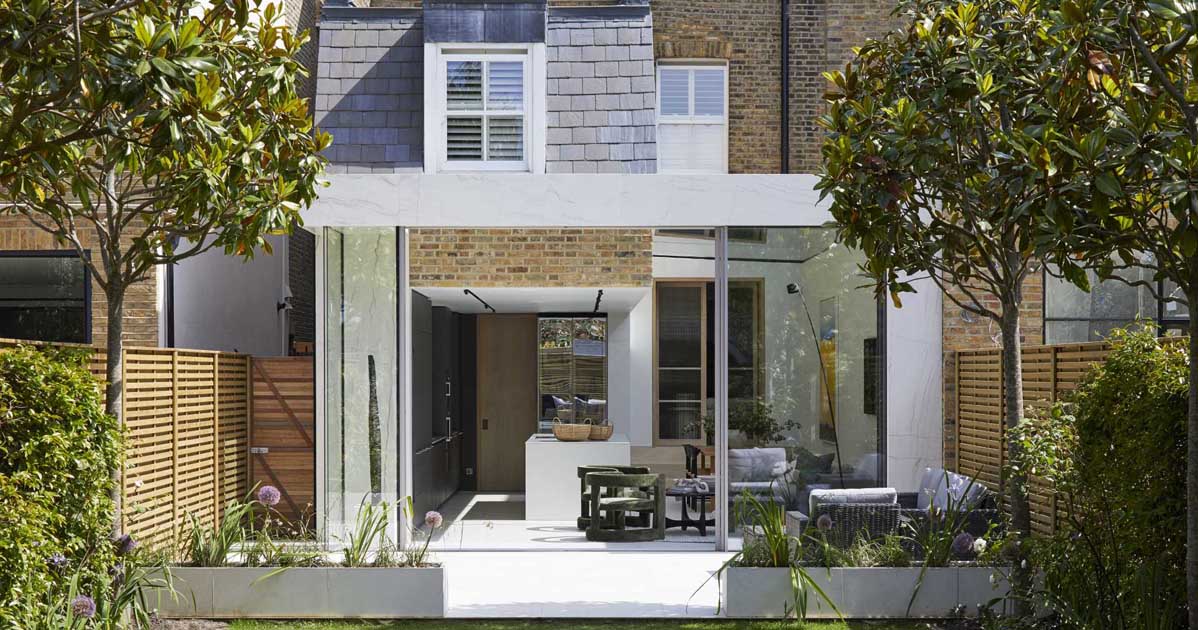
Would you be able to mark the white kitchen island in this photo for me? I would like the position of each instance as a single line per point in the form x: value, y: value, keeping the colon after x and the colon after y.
x: 551, y: 484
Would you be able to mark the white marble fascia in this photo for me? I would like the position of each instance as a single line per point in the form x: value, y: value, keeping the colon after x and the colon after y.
x: 566, y: 200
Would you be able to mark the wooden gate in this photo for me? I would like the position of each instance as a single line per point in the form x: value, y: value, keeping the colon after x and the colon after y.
x: 283, y: 433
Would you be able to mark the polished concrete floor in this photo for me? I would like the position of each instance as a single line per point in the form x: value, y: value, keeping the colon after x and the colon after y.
x: 494, y: 522
x: 609, y: 584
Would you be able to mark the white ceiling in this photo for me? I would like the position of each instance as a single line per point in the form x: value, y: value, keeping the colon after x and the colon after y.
x: 535, y: 299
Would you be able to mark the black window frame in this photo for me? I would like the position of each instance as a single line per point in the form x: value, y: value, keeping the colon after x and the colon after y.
x: 87, y: 280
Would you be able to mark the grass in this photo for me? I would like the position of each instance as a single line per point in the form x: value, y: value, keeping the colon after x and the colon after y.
x: 573, y: 624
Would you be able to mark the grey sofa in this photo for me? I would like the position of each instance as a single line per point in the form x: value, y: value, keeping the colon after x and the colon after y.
x: 938, y: 488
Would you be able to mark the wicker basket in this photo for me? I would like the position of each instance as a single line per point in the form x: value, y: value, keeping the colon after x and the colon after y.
x: 571, y: 432
x: 601, y: 432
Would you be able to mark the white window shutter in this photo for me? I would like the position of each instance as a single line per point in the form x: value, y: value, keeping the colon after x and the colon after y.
x: 709, y: 92
x: 683, y: 148
x: 675, y: 92
x: 505, y: 85
x: 464, y: 85
x: 464, y: 138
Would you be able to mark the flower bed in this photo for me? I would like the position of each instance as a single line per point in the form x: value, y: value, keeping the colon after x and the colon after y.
x: 238, y: 569
x: 863, y: 593
x: 304, y: 592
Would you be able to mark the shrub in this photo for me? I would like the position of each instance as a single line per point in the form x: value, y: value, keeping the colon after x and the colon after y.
x: 1115, y: 452
x: 57, y: 452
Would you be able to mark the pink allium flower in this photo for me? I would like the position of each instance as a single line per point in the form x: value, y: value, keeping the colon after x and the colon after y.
x: 269, y: 495
x: 83, y: 606
x: 433, y: 519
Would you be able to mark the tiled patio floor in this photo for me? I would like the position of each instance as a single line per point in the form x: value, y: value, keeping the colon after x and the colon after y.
x: 501, y: 528
x: 614, y: 584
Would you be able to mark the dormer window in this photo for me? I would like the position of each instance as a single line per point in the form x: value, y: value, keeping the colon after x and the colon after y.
x: 485, y: 122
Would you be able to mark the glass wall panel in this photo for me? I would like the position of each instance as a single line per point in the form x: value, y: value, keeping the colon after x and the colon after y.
x: 361, y: 371
x: 803, y: 367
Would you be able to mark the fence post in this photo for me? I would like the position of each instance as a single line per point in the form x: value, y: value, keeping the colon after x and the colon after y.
x: 957, y: 412
x: 216, y: 446
x: 124, y: 460
x: 174, y: 436
x: 249, y: 423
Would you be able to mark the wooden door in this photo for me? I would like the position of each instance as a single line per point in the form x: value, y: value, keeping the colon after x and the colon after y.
x: 283, y: 432
x: 507, y: 398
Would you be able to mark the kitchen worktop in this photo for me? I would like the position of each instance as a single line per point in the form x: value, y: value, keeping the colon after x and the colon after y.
x: 551, y: 484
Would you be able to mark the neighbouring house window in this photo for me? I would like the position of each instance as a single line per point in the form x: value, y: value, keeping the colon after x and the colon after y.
x: 685, y: 364
x: 486, y: 102
x: 44, y: 296
x: 1072, y: 315
x: 692, y: 118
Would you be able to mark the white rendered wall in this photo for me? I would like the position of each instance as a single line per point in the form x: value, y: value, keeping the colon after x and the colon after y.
x: 230, y: 304
x: 914, y: 386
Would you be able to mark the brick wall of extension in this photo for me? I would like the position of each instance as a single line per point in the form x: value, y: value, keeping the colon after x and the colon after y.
x: 531, y: 258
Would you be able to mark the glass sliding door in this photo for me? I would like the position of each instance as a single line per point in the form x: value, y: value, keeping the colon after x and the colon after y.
x: 360, y: 375
x: 804, y: 401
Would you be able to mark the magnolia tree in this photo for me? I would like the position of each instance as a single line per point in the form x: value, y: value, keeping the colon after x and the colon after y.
x: 1141, y: 161
x: 942, y: 161
x: 142, y: 133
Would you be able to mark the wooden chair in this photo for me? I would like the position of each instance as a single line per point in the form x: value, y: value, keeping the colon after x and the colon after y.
x: 624, y: 493
x: 584, y: 518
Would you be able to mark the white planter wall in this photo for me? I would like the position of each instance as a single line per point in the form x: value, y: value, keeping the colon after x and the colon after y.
x: 304, y: 593
x: 861, y: 593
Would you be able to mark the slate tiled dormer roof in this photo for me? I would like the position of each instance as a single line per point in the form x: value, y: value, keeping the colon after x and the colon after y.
x: 370, y: 88
x: 600, y: 80
x: 602, y: 90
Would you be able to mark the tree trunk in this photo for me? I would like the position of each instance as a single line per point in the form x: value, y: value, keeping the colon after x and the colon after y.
x: 1012, y: 375
x: 1192, y: 472
x: 115, y: 385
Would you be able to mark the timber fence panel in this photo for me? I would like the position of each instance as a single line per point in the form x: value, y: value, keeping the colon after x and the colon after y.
x: 1049, y: 374
x: 186, y: 441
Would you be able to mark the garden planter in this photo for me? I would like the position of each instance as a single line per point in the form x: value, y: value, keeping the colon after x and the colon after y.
x: 304, y: 593
x: 862, y: 593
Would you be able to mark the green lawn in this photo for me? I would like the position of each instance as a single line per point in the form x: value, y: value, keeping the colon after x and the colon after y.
x: 572, y: 624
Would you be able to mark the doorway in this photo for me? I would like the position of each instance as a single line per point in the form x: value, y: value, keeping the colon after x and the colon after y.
x: 507, y: 404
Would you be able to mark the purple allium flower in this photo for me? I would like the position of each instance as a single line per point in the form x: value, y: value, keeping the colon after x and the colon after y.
x: 963, y: 544
x: 269, y: 495
x: 824, y: 522
x: 433, y: 519
x: 83, y: 606
x: 124, y: 545
x: 57, y: 562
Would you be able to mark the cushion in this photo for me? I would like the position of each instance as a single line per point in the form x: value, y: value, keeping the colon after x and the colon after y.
x: 851, y: 495
x: 937, y: 484
x: 756, y: 464
x: 806, y: 461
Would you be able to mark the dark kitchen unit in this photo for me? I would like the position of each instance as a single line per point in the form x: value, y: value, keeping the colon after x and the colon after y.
x: 436, y: 404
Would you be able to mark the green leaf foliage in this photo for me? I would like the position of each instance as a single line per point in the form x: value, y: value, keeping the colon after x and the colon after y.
x: 1115, y: 452
x: 175, y: 124
x: 950, y: 147
x: 56, y: 450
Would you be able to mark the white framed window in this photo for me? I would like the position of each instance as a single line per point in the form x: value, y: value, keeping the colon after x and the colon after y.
x: 692, y: 117
x: 484, y: 117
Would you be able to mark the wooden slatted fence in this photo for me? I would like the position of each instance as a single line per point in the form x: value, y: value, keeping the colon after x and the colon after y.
x: 187, y: 421
x: 283, y: 433
x: 1049, y: 372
